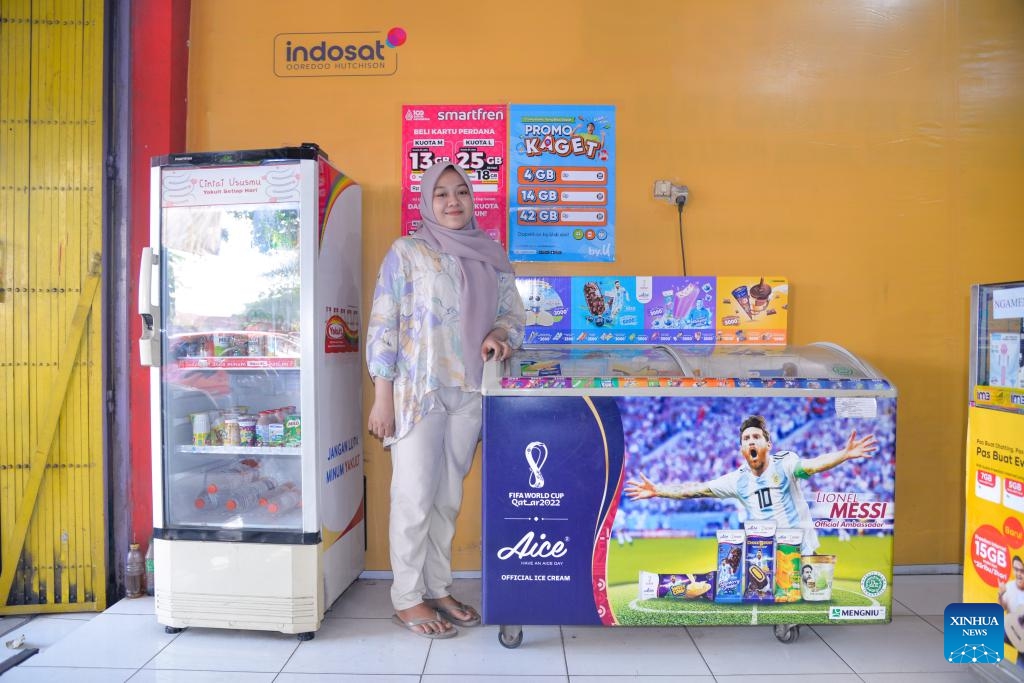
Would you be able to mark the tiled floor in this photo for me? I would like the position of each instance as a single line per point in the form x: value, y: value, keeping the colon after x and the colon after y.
x: 358, y: 642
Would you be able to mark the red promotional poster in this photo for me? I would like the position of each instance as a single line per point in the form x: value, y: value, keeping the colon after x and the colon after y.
x: 469, y: 135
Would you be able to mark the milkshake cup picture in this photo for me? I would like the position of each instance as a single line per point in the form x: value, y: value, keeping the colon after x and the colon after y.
x: 743, y: 299
x: 761, y: 293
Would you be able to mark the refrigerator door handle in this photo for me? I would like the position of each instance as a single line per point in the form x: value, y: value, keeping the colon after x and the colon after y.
x: 149, y: 341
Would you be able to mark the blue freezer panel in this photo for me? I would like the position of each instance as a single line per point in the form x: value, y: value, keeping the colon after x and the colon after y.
x: 553, y: 467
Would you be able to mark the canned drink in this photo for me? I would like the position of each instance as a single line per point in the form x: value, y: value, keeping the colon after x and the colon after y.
x: 200, y: 429
x: 232, y: 432
x: 293, y: 430
x: 247, y: 430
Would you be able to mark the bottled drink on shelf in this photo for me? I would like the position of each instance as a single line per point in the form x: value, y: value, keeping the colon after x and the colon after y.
x: 232, y: 476
x: 134, y: 572
x: 249, y: 496
x: 283, y: 499
x: 209, y: 501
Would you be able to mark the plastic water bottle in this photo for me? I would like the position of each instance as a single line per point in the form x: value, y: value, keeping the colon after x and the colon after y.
x: 232, y: 476
x: 209, y: 501
x: 134, y: 572
x: 284, y: 499
x: 150, y: 576
x: 248, y: 497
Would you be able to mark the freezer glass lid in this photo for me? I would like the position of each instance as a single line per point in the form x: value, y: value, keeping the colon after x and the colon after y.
x: 605, y: 361
x: 698, y: 363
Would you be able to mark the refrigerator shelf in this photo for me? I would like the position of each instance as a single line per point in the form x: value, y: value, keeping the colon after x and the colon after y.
x: 238, y: 363
x: 242, y: 450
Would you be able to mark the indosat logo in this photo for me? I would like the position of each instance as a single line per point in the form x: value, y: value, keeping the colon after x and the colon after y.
x: 354, y: 53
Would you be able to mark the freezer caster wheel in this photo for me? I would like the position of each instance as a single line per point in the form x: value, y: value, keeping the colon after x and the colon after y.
x: 787, y: 633
x: 510, y: 636
x: 173, y: 629
x: 306, y: 635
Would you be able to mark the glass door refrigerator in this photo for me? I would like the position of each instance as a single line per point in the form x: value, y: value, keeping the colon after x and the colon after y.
x: 250, y: 300
x: 687, y: 486
x: 994, y: 491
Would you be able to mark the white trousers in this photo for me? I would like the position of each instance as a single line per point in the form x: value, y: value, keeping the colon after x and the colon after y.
x: 428, y: 466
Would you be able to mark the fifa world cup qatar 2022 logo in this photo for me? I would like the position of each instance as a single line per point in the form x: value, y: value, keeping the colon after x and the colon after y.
x: 536, y: 455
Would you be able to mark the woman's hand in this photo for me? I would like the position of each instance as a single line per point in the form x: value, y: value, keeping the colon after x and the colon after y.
x: 382, y: 414
x: 496, y: 343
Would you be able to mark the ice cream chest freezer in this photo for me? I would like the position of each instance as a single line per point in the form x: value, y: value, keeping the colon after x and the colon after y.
x: 685, y: 485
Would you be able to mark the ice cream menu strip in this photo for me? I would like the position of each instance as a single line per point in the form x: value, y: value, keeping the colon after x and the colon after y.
x: 562, y: 206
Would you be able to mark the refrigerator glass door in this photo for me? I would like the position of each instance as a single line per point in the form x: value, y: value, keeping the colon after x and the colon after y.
x: 230, y: 390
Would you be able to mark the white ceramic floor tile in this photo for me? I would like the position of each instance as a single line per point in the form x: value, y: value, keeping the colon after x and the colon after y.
x: 476, y: 651
x: 120, y: 641
x: 143, y: 605
x: 491, y: 678
x: 365, y: 598
x: 42, y: 632
x: 371, y: 598
x: 907, y: 645
x: 964, y: 676
x: 676, y: 678
x: 787, y: 678
x: 937, y: 621
x: 179, y: 676
x: 598, y: 650
x: 927, y: 594
x: 899, y: 609
x: 361, y: 646
x: 215, y: 649
x: 736, y: 650
x: 344, y: 678
x: 53, y: 674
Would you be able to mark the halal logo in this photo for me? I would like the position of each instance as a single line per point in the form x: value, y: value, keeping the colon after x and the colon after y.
x: 536, y: 456
x: 873, y: 584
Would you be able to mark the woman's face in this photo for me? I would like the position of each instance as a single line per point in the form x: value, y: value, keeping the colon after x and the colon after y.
x: 453, y: 202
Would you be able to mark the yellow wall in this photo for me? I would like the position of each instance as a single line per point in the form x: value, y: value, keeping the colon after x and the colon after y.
x: 869, y: 151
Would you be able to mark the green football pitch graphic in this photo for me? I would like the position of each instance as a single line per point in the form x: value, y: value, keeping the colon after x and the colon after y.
x: 855, y: 558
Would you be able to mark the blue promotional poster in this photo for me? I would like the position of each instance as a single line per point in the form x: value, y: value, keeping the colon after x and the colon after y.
x: 561, y: 183
x: 665, y: 508
x: 645, y: 309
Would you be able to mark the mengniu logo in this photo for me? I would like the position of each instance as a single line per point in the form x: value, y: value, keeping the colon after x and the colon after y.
x: 351, y: 53
x: 973, y: 633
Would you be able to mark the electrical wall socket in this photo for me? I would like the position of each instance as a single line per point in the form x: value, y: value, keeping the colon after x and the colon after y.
x: 670, y: 192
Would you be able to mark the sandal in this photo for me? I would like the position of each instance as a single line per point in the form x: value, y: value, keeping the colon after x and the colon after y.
x: 446, y: 612
x: 433, y: 635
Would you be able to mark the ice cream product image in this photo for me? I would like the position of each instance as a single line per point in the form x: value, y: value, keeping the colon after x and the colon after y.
x: 729, y: 584
x: 761, y: 293
x: 816, y: 573
x: 759, y: 562
x: 684, y: 300
x: 742, y: 297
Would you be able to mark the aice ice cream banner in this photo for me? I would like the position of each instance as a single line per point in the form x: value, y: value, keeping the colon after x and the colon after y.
x: 803, y: 537
x: 614, y: 309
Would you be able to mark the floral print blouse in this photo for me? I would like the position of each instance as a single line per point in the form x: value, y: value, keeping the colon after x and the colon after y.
x: 413, y: 335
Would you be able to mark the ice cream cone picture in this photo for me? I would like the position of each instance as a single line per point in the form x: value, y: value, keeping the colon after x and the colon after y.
x: 743, y: 299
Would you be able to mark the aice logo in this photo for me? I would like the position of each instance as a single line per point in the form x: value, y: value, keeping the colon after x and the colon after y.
x: 349, y: 53
x: 973, y: 633
x: 536, y: 456
x: 531, y: 546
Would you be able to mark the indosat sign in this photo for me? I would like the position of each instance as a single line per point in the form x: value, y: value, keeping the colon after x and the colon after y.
x: 352, y: 53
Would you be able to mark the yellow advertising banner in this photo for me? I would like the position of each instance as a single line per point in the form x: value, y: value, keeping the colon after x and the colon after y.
x: 994, y: 539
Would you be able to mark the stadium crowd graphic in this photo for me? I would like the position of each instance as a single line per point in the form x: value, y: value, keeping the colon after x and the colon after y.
x: 694, y: 440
